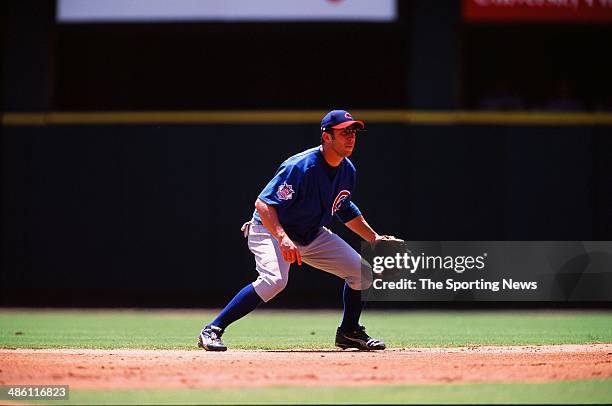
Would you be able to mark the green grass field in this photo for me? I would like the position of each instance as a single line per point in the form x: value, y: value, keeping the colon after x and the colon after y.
x: 298, y: 329
x: 577, y: 392
x: 315, y: 329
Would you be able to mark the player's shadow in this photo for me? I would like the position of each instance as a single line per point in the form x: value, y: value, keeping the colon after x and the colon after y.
x: 322, y: 351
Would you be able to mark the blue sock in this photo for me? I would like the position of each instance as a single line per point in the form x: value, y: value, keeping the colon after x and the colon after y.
x: 242, y: 304
x: 352, y: 308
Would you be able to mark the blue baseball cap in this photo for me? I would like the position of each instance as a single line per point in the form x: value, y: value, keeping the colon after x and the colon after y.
x: 339, y: 119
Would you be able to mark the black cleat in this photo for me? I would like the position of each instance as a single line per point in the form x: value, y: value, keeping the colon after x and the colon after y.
x: 210, y: 339
x: 358, y: 339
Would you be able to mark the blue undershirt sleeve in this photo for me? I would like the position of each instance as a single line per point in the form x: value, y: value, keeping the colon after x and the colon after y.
x: 348, y: 212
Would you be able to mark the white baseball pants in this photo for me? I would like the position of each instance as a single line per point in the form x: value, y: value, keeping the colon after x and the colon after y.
x: 327, y: 252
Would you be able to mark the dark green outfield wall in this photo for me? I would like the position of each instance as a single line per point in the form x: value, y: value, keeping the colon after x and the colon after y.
x: 150, y: 215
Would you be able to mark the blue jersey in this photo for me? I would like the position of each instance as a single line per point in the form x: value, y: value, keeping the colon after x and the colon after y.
x: 306, y: 199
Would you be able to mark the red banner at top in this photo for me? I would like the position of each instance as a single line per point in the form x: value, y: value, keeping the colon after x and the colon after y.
x: 582, y: 11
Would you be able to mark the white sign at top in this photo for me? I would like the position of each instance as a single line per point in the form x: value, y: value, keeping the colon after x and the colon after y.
x: 83, y: 11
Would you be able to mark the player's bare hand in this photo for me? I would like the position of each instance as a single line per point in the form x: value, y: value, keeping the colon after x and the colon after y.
x: 289, y: 250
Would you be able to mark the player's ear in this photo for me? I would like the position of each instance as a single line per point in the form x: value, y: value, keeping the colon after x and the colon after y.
x: 325, y: 137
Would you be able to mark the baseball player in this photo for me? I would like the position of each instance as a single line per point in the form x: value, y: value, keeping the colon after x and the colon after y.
x: 289, y: 225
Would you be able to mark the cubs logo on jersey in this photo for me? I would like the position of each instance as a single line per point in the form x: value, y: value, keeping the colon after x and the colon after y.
x: 342, y: 196
x: 285, y: 191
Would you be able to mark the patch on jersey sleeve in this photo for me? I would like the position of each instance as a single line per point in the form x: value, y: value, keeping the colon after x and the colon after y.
x: 285, y: 191
x: 342, y: 196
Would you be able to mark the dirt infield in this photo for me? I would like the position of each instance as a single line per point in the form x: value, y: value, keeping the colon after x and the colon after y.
x: 239, y: 368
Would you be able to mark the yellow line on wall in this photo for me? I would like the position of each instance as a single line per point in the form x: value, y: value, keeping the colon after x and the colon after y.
x: 304, y: 117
